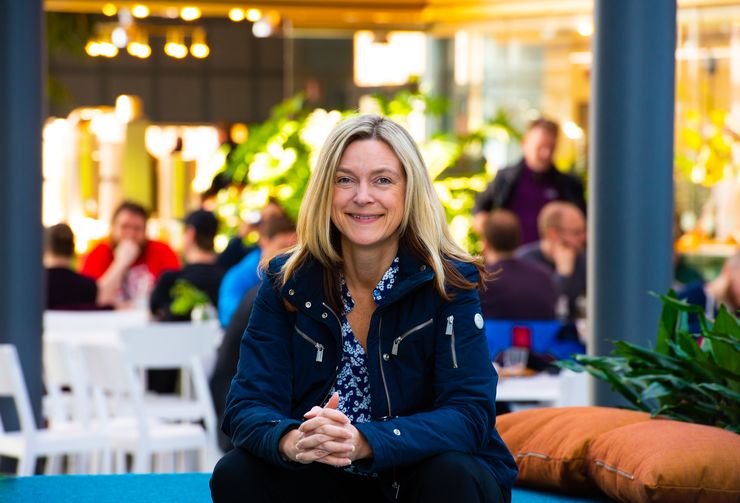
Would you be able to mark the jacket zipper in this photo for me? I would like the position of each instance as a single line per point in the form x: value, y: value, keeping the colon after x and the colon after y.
x: 319, y: 347
x: 451, y: 332
x: 336, y: 369
x: 382, y: 372
x: 400, y: 339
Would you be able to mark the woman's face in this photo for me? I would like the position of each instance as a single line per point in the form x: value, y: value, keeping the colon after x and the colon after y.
x: 369, y: 194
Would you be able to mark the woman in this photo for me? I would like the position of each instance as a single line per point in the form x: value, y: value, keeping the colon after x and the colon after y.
x: 364, y: 371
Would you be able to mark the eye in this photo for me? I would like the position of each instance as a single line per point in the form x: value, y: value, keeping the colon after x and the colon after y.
x: 343, y: 180
x: 384, y: 180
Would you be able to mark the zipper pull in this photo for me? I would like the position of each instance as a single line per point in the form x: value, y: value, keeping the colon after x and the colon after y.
x: 449, y: 330
x: 319, y: 352
x: 396, y: 343
x: 397, y: 487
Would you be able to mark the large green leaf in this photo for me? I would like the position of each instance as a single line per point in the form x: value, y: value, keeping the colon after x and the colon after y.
x: 669, y: 319
x: 679, y: 379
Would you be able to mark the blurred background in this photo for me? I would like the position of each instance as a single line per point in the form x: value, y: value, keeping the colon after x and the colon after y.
x: 178, y: 104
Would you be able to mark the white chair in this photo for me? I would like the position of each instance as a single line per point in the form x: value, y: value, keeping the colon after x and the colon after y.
x: 180, y: 346
x: 30, y: 443
x: 133, y: 428
x: 70, y: 401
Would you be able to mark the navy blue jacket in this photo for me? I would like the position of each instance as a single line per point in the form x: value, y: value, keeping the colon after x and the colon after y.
x: 431, y: 381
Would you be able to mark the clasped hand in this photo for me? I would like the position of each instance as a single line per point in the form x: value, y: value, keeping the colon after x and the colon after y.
x: 327, y: 436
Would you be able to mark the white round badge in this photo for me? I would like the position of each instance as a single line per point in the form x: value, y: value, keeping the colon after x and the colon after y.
x: 478, y: 320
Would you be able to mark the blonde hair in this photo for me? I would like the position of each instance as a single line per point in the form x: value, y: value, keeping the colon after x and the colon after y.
x: 423, y: 226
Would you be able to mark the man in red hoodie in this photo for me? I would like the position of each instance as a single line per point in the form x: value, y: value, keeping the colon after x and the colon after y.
x: 127, y: 265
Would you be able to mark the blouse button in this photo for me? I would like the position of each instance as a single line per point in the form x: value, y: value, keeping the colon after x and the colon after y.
x: 423, y: 268
x: 324, y: 315
x: 291, y: 292
x: 397, y: 432
x: 308, y: 304
x: 386, y: 357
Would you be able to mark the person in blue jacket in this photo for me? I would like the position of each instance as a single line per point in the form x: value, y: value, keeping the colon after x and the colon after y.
x: 364, y: 373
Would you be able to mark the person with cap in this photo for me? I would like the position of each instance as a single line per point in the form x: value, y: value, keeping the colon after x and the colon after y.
x: 201, y: 269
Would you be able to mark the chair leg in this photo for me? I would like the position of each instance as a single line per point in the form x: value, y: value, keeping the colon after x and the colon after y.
x: 142, y: 462
x: 26, y: 465
x: 53, y: 465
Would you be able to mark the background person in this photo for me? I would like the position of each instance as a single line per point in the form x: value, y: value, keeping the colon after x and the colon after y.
x: 561, y: 249
x: 526, y: 187
x: 724, y: 289
x: 276, y: 234
x: 201, y: 269
x: 127, y: 265
x: 407, y: 420
x: 518, y: 289
x: 65, y: 288
x: 236, y: 249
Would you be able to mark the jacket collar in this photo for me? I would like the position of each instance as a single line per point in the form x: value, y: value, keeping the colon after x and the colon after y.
x: 305, y: 288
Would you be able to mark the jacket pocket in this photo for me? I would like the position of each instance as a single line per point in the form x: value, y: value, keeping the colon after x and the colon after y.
x: 450, y: 330
x: 319, y: 347
x: 398, y: 340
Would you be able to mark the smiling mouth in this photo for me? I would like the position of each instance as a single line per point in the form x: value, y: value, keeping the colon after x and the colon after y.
x: 364, y: 218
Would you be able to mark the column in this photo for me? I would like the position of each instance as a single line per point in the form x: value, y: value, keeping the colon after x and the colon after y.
x: 631, y: 167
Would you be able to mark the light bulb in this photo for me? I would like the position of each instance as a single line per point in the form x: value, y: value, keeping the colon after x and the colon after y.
x: 189, y: 13
x: 140, y: 11
x: 236, y: 15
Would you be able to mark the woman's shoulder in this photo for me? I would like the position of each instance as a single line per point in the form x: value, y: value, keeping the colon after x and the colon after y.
x: 468, y: 269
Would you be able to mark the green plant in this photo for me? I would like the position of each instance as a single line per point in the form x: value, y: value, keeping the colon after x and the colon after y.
x: 687, y: 377
x: 185, y: 297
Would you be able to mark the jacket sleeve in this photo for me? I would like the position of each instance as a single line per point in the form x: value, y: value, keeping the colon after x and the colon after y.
x: 258, y: 404
x: 463, y: 414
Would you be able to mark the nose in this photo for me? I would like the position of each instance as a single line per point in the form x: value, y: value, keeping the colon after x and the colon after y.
x: 362, y: 194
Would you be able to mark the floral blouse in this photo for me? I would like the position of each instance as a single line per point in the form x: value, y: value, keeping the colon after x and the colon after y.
x: 353, y: 381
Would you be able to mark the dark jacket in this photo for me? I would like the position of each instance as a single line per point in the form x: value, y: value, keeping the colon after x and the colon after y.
x: 432, y: 385
x: 499, y: 192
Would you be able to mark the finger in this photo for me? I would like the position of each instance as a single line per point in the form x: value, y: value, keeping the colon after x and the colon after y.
x: 334, y: 415
x: 333, y: 402
x: 315, y: 411
x: 310, y: 456
x: 336, y: 461
x: 326, y: 427
x: 325, y: 443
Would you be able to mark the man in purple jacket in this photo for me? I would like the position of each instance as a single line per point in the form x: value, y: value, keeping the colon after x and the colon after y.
x: 526, y: 187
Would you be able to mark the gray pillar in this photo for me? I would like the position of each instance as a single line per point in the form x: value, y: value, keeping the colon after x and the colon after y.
x: 631, y: 166
x: 21, y: 80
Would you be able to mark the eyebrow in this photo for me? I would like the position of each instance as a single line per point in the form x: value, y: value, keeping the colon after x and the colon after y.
x: 378, y: 171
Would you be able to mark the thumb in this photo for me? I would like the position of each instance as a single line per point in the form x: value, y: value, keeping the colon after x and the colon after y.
x: 333, y: 402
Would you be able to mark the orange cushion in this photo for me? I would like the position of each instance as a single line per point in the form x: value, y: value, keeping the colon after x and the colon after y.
x: 550, y: 444
x: 667, y: 461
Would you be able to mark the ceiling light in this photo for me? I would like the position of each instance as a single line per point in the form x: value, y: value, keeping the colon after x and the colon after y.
x: 236, y: 15
x: 254, y: 15
x: 190, y: 13
x: 140, y: 11
x: 110, y: 10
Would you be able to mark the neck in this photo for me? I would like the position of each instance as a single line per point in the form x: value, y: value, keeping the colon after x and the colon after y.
x: 491, y: 256
x: 363, y: 268
x: 198, y: 256
x: 52, y: 261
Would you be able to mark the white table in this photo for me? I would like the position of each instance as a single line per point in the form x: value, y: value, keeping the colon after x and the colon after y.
x: 566, y: 388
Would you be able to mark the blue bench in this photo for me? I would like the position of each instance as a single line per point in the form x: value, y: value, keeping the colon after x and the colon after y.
x: 160, y: 488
